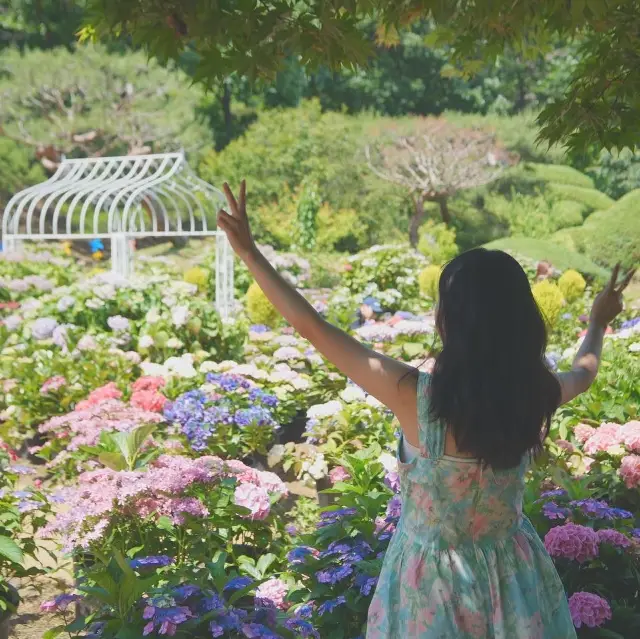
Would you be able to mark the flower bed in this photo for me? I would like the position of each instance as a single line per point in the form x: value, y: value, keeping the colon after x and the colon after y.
x: 151, y: 412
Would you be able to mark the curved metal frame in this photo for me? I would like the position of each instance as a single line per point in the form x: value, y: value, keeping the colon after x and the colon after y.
x: 118, y: 193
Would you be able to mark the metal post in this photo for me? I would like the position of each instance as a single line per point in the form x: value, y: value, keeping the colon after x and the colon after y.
x: 11, y: 245
x: 120, y: 254
x: 224, y: 276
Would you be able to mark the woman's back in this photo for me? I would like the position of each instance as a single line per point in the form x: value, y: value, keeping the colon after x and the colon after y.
x: 464, y: 561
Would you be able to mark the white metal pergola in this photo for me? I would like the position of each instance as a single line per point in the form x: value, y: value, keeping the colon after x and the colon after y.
x: 121, y: 199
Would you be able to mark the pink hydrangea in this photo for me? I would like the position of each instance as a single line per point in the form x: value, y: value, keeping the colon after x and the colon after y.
x: 272, y: 592
x: 255, y: 498
x: 572, y: 541
x: 339, y: 473
x: 148, y: 383
x: 108, y: 391
x: 84, y: 427
x: 103, y: 495
x: 613, y: 537
x: 589, y: 610
x: 630, y: 470
x: 150, y: 400
x: 53, y: 384
x: 582, y: 432
x: 605, y: 437
x: 630, y: 435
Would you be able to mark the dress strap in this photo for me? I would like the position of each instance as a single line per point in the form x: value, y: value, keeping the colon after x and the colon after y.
x: 431, y: 434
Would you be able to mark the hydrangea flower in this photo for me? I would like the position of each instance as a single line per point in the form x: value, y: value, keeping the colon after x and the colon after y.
x: 551, y: 510
x: 117, y: 323
x: 43, y: 328
x: 613, y: 537
x: 339, y: 473
x: 152, y: 561
x: 255, y: 498
x: 59, y: 603
x: 331, y: 605
x: 53, y: 384
x: 589, y: 610
x: 272, y: 592
x: 630, y: 470
x: 321, y: 411
x: 572, y: 541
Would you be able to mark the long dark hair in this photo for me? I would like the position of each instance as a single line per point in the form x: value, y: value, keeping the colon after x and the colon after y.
x: 491, y: 384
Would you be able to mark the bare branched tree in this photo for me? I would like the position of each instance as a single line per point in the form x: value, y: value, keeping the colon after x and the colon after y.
x: 434, y: 162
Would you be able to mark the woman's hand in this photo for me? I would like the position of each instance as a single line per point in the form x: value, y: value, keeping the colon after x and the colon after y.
x: 236, y: 223
x: 608, y: 304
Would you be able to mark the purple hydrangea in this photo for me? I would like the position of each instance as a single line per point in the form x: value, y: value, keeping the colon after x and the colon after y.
x: 600, y: 509
x: 366, y: 584
x: 551, y: 510
x: 589, y: 610
x: 613, y: 537
x: 334, y: 574
x: 299, y: 555
x: 302, y: 628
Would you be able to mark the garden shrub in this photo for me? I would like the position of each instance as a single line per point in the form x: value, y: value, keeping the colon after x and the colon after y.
x: 429, y: 279
x: 612, y: 236
x: 572, y: 285
x: 260, y: 309
x: 559, y: 174
x: 549, y: 298
x: 556, y: 254
x: 198, y: 276
x: 617, y: 173
x: 592, y: 198
x: 437, y: 242
x: 568, y: 213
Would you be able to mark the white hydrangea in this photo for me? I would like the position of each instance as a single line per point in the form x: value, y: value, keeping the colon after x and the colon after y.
x: 146, y: 341
x: 353, y: 394
x: 174, y: 342
x: 316, y: 469
x: 389, y: 462
x: 180, y: 315
x: 152, y: 316
x: 320, y: 411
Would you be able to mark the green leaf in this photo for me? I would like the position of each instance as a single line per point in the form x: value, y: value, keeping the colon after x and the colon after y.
x: 52, y: 633
x: 164, y: 523
x: 114, y: 461
x: 10, y: 550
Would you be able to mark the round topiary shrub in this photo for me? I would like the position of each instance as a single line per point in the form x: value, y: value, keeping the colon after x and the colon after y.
x: 198, y: 276
x: 429, y: 279
x: 260, y: 309
x: 549, y: 298
x: 572, y: 285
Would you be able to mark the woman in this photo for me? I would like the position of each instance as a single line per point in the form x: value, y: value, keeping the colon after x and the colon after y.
x: 464, y: 562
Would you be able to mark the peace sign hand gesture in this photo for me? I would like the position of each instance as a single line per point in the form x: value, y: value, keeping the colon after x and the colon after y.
x: 608, y: 304
x: 236, y: 223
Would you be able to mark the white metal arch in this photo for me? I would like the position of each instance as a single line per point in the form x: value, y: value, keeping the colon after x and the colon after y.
x: 120, y: 199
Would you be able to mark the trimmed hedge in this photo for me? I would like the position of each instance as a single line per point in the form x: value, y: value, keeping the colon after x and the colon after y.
x: 592, y: 198
x: 557, y: 255
x: 558, y: 173
x: 610, y: 236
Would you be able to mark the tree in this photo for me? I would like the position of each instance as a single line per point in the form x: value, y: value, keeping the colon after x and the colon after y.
x: 40, y: 23
x: 90, y: 104
x: 434, y: 162
x: 254, y: 38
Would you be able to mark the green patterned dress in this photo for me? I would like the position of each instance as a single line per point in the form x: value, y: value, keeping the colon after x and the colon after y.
x: 464, y: 562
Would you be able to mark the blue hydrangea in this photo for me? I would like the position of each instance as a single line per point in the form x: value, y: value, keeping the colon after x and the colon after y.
x: 238, y: 583
x: 298, y: 555
x: 302, y: 628
x: 331, y: 605
x: 599, y: 509
x: 366, y: 584
x: 184, y: 592
x: 334, y: 516
x: 334, y: 574
x: 212, y: 601
x: 558, y: 492
x: 228, y: 382
x: 256, y: 630
x: 152, y: 561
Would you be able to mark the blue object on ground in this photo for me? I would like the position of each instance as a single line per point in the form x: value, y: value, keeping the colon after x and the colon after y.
x: 96, y: 245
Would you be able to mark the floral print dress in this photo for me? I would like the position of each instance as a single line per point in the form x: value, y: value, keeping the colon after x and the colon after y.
x: 464, y: 562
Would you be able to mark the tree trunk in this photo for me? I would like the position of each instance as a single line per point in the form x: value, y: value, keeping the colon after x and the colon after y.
x: 416, y: 220
x: 444, y: 211
x: 226, y: 109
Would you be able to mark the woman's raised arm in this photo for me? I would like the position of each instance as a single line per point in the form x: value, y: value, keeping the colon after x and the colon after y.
x: 388, y: 380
